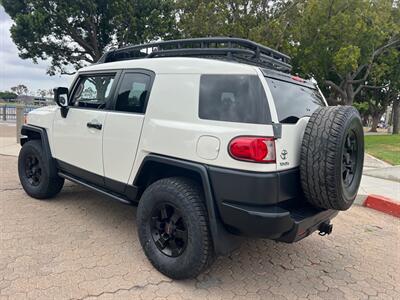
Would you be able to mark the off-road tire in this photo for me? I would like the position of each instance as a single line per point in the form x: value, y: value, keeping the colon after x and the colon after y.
x: 187, y: 197
x: 48, y: 186
x: 323, y: 155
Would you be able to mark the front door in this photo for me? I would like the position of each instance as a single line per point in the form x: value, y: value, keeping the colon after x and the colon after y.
x: 77, y: 138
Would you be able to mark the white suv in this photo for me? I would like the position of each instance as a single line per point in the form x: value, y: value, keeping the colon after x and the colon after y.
x: 212, y: 138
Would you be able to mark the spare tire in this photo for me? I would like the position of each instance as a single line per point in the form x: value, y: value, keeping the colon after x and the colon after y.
x: 332, y: 157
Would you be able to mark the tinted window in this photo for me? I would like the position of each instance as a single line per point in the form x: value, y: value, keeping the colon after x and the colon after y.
x: 293, y: 101
x: 233, y: 98
x: 93, y: 91
x: 133, y: 93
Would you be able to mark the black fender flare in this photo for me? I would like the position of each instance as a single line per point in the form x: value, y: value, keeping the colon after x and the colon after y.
x: 224, y: 242
x: 30, y: 132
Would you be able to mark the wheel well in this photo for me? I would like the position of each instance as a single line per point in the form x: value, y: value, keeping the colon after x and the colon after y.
x: 155, y: 167
x: 30, y: 135
x: 153, y: 171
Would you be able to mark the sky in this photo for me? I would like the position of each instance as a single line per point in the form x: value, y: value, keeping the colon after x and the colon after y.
x: 15, y: 70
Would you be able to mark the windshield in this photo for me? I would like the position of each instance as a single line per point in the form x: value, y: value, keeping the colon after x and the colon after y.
x: 293, y: 101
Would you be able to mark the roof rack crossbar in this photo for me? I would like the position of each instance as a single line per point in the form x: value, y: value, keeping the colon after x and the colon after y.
x: 231, y: 48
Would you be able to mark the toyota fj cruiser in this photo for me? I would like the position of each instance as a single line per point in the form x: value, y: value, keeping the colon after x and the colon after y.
x: 212, y: 138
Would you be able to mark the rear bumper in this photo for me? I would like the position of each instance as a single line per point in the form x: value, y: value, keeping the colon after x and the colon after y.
x: 274, y: 222
x: 266, y: 205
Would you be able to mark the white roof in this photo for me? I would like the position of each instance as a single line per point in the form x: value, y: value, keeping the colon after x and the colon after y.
x: 174, y: 65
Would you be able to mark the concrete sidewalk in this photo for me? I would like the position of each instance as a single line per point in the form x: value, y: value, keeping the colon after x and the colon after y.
x: 389, y: 173
x: 380, y: 178
x: 8, y: 146
x: 377, y: 186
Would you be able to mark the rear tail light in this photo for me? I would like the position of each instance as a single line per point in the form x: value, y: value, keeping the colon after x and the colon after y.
x: 255, y: 149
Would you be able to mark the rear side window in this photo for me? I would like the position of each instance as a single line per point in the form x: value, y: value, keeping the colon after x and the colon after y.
x: 293, y: 101
x: 133, y: 93
x: 233, y: 98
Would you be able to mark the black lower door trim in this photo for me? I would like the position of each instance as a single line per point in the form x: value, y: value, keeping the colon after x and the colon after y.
x: 118, y: 190
x: 114, y: 185
x: 95, y: 188
x: 80, y: 173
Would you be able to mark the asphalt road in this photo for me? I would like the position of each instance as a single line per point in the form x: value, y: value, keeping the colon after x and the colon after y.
x: 82, y: 245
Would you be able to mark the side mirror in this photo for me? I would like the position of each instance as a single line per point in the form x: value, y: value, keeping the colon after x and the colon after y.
x: 61, y: 96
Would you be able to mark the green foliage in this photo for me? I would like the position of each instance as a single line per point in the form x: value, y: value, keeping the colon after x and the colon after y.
x: 78, y: 32
x: 253, y: 20
x: 362, y: 107
x: 346, y: 59
x: 6, y: 95
x: 386, y: 72
x: 387, y: 69
x: 333, y: 38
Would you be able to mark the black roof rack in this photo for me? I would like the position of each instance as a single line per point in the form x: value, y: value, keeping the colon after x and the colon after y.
x: 223, y: 48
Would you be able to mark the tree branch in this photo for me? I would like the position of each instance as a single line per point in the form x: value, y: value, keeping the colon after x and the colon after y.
x: 392, y: 42
x: 364, y: 78
x: 358, y: 71
x: 77, y: 38
x: 364, y: 86
x: 336, y: 87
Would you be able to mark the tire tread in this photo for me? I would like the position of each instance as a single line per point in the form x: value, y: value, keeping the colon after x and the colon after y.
x: 192, y: 197
x: 321, y: 144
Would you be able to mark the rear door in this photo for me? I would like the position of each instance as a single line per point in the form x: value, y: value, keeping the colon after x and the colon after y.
x: 294, y: 103
x: 123, y: 127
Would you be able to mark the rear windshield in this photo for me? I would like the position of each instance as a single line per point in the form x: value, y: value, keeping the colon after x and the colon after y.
x: 233, y: 98
x: 293, y: 101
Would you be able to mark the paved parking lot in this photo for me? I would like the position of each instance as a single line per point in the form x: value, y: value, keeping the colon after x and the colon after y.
x: 83, y: 246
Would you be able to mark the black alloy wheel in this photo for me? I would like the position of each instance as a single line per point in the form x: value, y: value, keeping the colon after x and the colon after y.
x: 169, y: 230
x: 349, y: 162
x: 173, y: 227
x: 33, y: 170
x: 38, y: 176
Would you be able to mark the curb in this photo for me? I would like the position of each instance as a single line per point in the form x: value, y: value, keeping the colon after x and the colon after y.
x: 380, y: 203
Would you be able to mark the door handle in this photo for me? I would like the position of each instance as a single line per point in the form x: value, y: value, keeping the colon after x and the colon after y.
x: 97, y: 126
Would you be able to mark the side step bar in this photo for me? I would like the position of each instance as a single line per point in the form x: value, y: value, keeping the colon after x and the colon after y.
x: 96, y: 188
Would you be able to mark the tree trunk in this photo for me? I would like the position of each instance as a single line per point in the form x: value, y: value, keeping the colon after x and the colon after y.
x: 375, y: 121
x: 349, y: 91
x: 396, y: 116
x: 365, y: 119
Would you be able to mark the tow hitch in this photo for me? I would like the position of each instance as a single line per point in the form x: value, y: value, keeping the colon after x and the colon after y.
x: 325, y: 228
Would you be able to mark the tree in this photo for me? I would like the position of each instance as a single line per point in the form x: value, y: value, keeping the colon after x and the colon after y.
x: 338, y: 41
x: 396, y: 115
x: 6, y: 95
x: 50, y: 92
x: 386, y: 72
x: 20, y: 89
x: 238, y: 18
x: 377, y: 101
x: 42, y: 93
x: 75, y: 33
